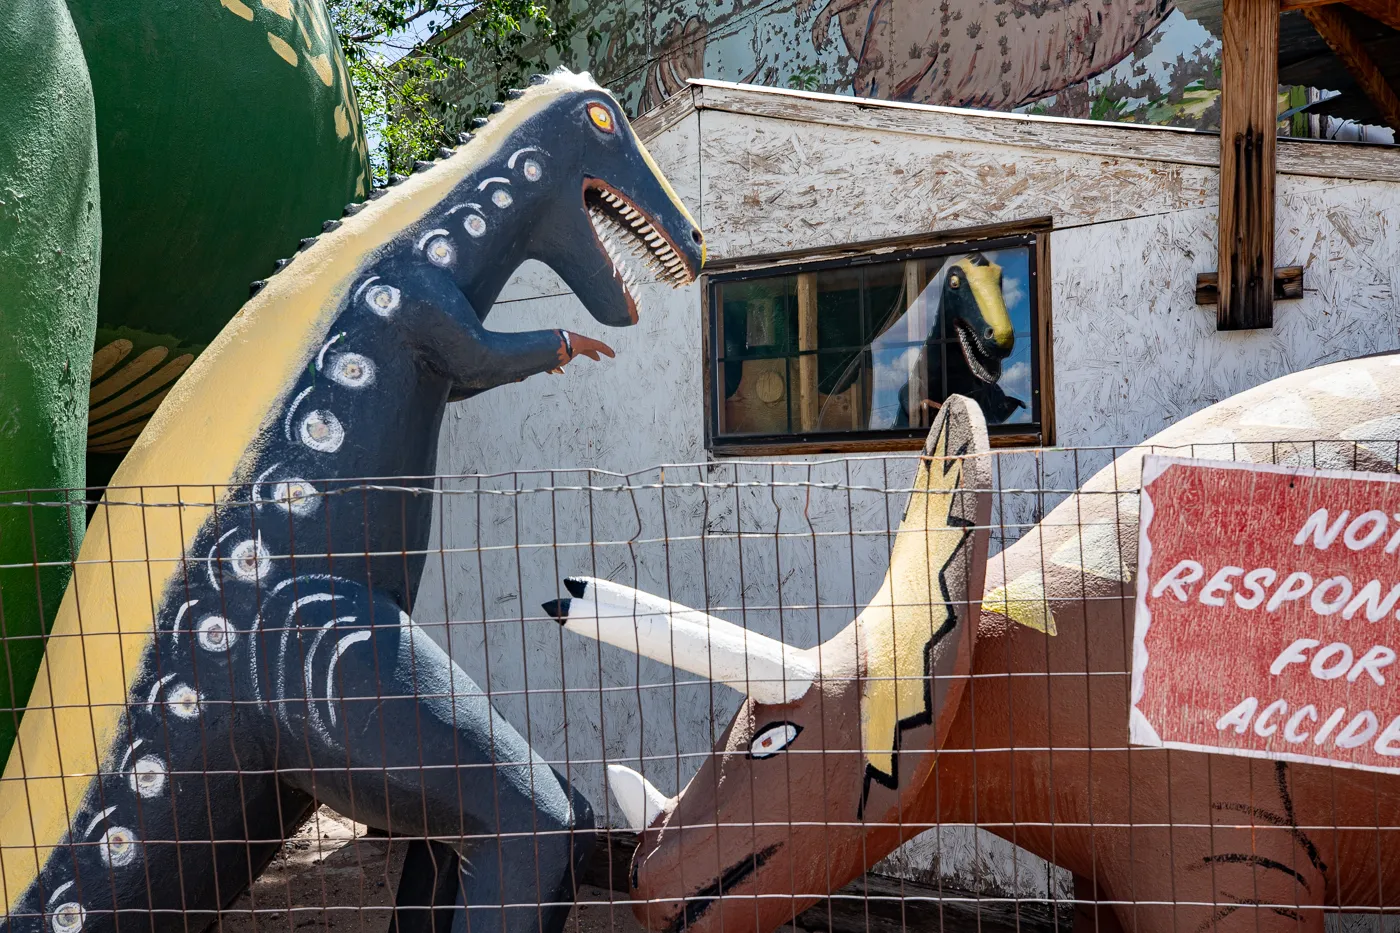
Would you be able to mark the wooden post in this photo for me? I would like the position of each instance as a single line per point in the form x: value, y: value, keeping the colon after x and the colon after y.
x: 1333, y: 29
x: 1248, y: 126
x: 915, y: 332
x: 806, y: 342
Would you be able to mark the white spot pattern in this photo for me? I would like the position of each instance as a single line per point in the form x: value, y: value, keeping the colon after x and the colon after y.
x: 184, y: 701
x: 118, y: 846
x: 251, y: 561
x: 322, y: 431
x: 148, y: 776
x: 440, y: 252
x: 383, y: 300
x: 216, y: 634
x: 352, y: 370
x: 296, y: 496
x: 68, y: 917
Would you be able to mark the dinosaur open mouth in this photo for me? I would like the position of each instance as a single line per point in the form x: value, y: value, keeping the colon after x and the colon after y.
x: 633, y: 243
x: 984, y: 365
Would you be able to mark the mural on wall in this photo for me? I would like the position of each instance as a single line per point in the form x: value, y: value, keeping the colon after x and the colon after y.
x: 270, y: 675
x: 1141, y: 60
x: 226, y: 132
x: 1059, y: 603
x: 885, y: 689
x: 50, y: 241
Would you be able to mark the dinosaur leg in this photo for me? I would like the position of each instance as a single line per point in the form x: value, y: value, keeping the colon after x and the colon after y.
x: 428, y: 889
x: 397, y: 736
x: 488, y: 864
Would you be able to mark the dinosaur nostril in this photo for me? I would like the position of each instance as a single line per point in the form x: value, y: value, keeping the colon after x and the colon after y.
x: 696, y: 236
x: 990, y: 333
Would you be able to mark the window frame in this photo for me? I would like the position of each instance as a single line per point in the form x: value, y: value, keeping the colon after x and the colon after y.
x: 1032, y: 234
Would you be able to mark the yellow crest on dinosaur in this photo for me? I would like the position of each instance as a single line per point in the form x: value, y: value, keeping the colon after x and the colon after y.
x: 899, y: 625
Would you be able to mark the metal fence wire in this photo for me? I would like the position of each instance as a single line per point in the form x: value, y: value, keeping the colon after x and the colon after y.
x: 247, y: 729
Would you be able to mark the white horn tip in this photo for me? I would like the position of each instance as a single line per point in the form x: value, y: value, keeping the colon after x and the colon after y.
x: 639, y: 801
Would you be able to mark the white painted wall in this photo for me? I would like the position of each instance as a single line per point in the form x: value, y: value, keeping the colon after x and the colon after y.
x: 1135, y: 216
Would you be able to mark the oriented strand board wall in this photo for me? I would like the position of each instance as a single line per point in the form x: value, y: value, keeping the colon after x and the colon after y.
x: 1134, y: 213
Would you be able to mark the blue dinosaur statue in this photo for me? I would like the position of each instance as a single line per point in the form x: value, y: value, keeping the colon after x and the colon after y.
x: 236, y: 644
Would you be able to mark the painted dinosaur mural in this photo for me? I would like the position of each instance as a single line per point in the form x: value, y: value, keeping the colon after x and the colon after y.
x: 218, y: 666
x: 193, y: 212
x: 980, y: 53
x: 1037, y: 751
x: 50, y: 242
x: 971, y: 53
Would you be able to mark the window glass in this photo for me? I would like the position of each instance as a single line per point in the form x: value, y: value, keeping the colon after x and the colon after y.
x: 873, y: 348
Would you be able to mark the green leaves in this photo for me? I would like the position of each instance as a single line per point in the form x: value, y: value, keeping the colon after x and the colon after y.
x: 414, y: 61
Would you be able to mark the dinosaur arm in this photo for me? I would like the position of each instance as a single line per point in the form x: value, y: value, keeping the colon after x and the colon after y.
x: 476, y: 359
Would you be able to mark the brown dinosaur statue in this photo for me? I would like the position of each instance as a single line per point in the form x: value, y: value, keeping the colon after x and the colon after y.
x: 1037, y: 749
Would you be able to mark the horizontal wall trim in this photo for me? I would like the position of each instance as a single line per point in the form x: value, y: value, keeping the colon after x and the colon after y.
x: 1313, y: 158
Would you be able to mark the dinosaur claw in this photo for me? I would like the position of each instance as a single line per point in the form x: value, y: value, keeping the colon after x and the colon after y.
x: 577, y: 345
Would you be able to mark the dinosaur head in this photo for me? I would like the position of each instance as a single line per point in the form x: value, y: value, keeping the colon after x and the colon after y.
x: 615, y: 220
x: 974, y: 311
x: 815, y: 776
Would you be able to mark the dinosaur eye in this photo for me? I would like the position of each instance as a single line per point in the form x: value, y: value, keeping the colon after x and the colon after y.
x: 772, y: 739
x: 601, y: 116
x: 955, y: 281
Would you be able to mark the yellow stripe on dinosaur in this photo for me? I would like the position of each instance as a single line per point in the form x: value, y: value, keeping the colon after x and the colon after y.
x: 909, y: 609
x: 195, y: 446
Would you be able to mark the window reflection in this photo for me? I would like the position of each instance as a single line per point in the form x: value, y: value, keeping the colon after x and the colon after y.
x: 878, y: 346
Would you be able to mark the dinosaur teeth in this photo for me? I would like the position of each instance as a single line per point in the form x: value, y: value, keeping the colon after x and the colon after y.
x: 634, y: 247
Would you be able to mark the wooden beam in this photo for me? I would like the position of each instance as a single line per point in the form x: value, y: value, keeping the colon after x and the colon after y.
x: 807, y: 344
x: 1288, y: 5
x: 916, y: 332
x: 1382, y: 11
x: 1341, y: 38
x: 1248, y: 126
x: 1288, y: 285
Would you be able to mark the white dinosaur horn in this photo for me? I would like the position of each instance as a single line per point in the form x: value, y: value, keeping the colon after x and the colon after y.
x: 763, y: 668
x: 639, y: 801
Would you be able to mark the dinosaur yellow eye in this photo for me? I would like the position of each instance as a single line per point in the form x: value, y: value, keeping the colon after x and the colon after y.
x: 601, y: 116
x: 954, y: 281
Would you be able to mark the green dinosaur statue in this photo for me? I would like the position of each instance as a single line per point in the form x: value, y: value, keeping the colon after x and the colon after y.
x: 50, y: 241
x: 227, y: 130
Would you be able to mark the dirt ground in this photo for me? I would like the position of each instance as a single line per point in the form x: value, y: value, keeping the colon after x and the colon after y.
x: 333, y: 877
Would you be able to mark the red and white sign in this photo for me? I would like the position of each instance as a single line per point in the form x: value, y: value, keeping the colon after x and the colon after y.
x: 1268, y: 613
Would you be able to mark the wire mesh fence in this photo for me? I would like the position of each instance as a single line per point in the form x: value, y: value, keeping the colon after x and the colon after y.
x: 352, y: 704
